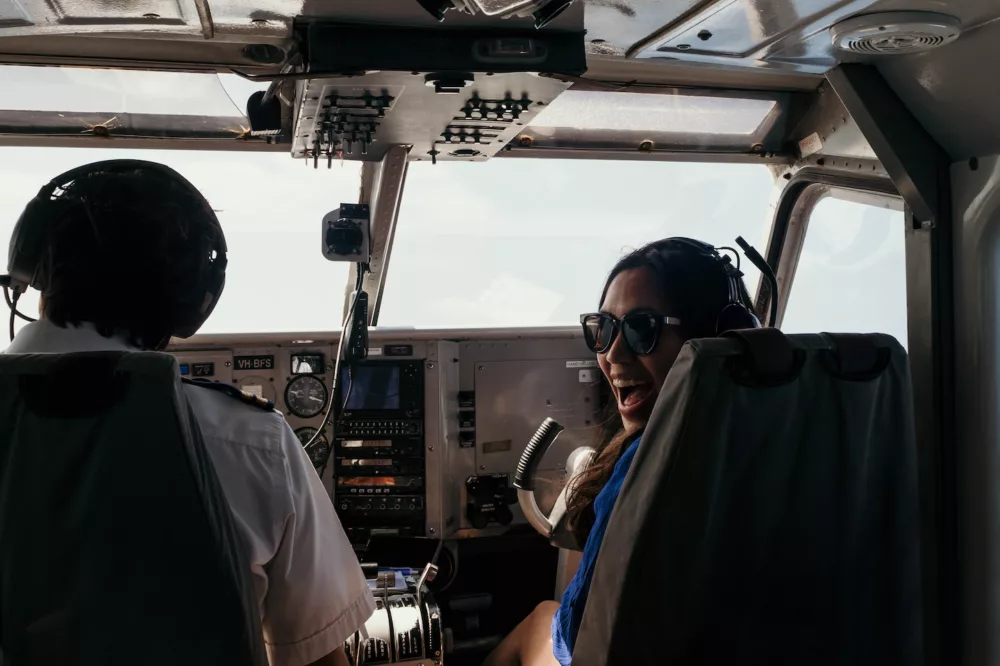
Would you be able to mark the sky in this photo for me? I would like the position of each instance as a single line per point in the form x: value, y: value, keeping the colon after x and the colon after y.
x: 509, y: 242
x: 852, y: 272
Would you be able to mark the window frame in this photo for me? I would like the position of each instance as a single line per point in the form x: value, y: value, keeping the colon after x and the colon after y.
x: 796, y: 203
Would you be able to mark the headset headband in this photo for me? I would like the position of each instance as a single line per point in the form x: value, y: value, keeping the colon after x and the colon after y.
x: 31, y: 235
x: 736, y: 314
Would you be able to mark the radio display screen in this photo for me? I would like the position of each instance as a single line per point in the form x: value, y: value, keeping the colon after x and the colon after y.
x: 367, y: 481
x: 374, y: 387
x: 374, y: 443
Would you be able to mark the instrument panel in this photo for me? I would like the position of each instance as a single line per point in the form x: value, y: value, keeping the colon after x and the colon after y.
x: 306, y: 396
x: 426, y: 433
x: 320, y: 451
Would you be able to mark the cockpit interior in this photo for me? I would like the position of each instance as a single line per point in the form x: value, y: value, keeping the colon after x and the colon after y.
x: 421, y: 198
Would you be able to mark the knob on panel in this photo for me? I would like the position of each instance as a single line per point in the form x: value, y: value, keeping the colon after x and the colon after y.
x: 488, y: 500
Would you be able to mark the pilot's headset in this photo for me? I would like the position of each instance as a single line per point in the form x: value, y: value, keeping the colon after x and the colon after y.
x: 737, y: 314
x: 41, y: 216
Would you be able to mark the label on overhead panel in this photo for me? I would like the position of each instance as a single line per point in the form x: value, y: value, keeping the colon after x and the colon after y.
x: 253, y: 362
x: 374, y: 351
x: 810, y: 145
x: 581, y: 364
x: 399, y: 350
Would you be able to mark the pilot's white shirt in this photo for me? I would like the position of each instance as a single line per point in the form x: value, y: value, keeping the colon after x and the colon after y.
x: 310, y: 589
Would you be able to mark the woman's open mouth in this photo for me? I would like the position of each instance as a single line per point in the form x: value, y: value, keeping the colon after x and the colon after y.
x: 631, y: 394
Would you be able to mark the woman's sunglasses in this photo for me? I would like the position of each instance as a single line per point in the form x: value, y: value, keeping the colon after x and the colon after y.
x: 641, y: 329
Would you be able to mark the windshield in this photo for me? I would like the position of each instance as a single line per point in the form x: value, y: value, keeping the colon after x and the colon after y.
x: 529, y: 242
x: 270, y: 207
x: 510, y: 242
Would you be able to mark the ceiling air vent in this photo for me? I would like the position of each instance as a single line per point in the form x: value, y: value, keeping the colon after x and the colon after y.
x: 895, y: 33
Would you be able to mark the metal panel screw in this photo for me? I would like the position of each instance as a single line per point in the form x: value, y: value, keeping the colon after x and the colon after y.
x: 430, y: 366
x: 433, y: 530
x: 430, y: 448
x: 229, y: 364
x: 482, y: 467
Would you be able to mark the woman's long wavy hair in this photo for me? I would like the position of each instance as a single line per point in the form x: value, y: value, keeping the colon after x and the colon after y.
x: 695, y: 289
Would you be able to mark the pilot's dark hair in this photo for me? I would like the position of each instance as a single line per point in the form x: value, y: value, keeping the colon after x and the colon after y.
x: 128, y: 257
x: 695, y: 287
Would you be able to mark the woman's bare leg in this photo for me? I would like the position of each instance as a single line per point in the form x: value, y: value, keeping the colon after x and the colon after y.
x: 530, y: 644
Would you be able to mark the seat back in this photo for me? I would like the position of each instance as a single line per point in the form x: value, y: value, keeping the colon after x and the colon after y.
x: 117, y: 545
x: 770, y: 515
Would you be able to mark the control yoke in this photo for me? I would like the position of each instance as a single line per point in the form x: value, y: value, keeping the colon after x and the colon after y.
x: 551, y: 526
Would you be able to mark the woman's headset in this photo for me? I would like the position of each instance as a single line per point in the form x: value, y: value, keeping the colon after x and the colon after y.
x: 32, y: 233
x: 737, y: 314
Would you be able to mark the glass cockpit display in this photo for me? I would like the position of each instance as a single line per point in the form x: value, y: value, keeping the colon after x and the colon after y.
x: 371, y: 387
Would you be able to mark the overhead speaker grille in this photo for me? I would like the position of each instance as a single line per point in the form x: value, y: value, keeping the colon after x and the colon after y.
x: 895, y: 33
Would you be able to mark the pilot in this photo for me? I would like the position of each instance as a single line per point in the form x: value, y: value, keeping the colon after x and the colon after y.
x: 655, y: 299
x: 129, y: 249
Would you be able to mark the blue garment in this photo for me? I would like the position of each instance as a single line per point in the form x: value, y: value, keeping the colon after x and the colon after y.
x: 566, y: 622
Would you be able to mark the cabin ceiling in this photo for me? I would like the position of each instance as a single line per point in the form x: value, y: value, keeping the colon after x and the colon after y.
x: 954, y: 91
x: 776, y: 45
x: 781, y: 36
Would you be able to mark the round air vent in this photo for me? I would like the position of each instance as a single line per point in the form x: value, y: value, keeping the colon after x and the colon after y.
x: 893, y: 33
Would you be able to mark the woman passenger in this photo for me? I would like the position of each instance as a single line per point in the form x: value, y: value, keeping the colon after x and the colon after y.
x: 655, y: 299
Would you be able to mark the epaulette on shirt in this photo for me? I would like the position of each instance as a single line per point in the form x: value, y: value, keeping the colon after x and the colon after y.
x: 233, y: 392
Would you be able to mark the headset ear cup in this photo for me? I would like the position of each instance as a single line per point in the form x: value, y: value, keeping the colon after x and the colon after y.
x: 27, y: 244
x: 735, y: 317
x: 213, y: 292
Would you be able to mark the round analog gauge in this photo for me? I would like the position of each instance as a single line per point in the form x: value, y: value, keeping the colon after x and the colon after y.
x: 320, y: 451
x: 305, y: 396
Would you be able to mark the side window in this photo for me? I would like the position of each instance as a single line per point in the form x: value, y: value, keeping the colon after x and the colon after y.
x: 851, y: 275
